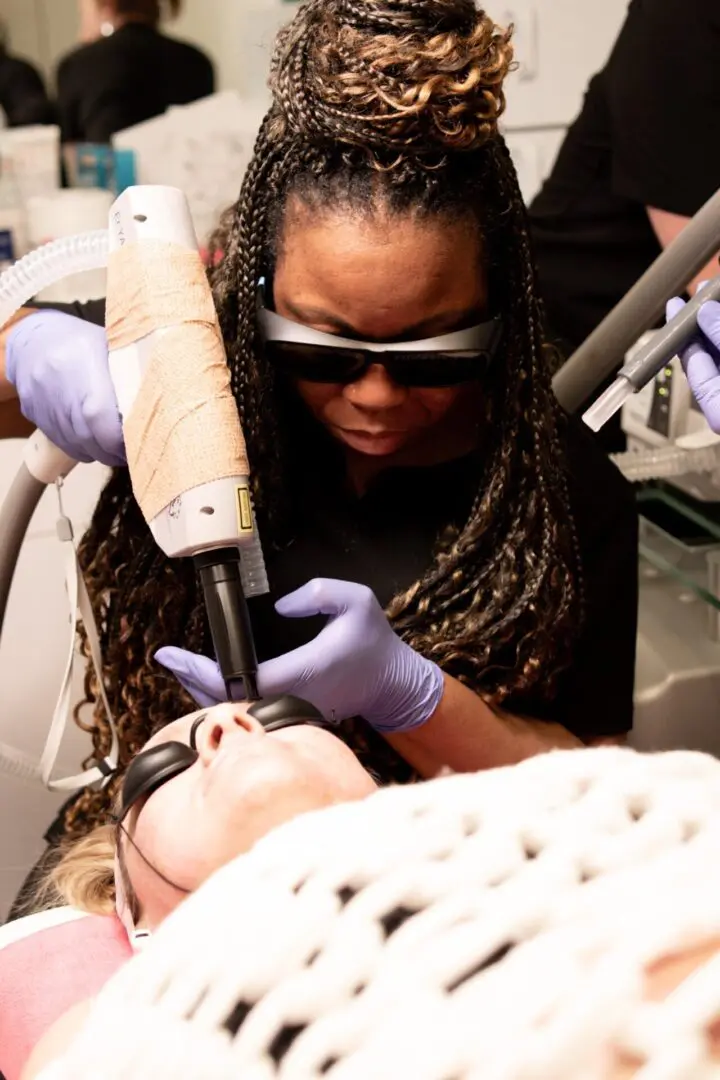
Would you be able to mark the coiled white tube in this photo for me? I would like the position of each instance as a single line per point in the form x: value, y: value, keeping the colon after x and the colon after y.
x: 49, y: 264
x: 666, y: 462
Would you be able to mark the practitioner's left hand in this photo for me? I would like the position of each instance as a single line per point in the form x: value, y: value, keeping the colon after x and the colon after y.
x: 356, y: 666
x: 701, y: 358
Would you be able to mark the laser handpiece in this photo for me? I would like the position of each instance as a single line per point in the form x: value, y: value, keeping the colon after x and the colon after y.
x: 651, y: 358
x: 211, y: 522
x: 229, y: 621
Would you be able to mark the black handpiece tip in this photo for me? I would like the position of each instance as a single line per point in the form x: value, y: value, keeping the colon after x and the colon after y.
x: 229, y: 622
x: 244, y: 689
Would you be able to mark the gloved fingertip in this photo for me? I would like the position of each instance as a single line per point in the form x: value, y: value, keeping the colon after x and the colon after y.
x: 199, y: 694
x: 181, y: 663
x: 322, y: 596
x: 166, y: 654
x: 9, y: 362
x: 674, y: 305
x: 297, y: 603
x: 708, y: 316
x: 13, y: 339
x: 109, y: 447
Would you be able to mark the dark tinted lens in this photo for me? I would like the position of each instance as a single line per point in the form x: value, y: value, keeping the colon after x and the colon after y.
x: 330, y: 364
x: 436, y: 369
x: 152, y: 768
x: 315, y: 363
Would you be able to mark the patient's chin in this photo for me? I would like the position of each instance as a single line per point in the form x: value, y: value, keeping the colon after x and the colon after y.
x: 332, y: 762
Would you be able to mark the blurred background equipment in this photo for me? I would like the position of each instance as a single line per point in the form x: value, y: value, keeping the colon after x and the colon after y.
x: 203, y: 149
x: 23, y: 96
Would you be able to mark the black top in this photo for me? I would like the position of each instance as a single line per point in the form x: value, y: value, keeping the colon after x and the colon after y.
x: 646, y: 137
x: 133, y: 75
x: 385, y: 540
x: 23, y: 98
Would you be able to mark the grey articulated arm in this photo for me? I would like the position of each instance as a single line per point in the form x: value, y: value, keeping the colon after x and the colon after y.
x: 17, y: 511
x: 641, y: 309
x: 44, y: 464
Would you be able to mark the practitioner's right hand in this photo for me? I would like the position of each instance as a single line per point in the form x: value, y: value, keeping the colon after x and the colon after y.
x: 356, y: 666
x: 59, y: 366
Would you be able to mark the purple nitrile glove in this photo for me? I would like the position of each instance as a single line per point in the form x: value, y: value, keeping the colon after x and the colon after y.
x: 356, y: 666
x: 701, y: 359
x: 59, y: 366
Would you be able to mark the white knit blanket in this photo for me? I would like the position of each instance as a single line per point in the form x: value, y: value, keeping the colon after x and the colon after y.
x: 488, y: 927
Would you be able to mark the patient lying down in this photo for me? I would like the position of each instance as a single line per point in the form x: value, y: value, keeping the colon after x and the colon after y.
x: 243, y: 783
x: 598, y: 868
x: 172, y: 834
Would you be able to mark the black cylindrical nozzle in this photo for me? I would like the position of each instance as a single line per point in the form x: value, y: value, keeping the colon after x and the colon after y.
x: 229, y: 621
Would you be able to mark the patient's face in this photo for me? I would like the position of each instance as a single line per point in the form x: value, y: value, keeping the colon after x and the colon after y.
x: 244, y: 783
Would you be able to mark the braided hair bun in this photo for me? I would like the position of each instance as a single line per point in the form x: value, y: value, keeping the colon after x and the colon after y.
x: 412, y: 76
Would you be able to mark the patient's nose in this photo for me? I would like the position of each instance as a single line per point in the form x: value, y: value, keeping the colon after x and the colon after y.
x: 221, y: 722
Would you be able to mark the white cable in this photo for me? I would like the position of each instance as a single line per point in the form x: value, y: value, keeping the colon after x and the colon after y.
x: 28, y: 276
x: 80, y: 604
x: 488, y: 927
x: 15, y: 762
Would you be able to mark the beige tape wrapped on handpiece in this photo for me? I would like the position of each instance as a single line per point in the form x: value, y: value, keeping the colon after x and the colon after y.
x: 184, y: 429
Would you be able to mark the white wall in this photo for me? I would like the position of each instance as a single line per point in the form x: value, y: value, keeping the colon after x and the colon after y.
x: 570, y: 41
x: 42, y: 30
x: 59, y: 19
x: 560, y: 44
x: 23, y: 26
x: 573, y: 38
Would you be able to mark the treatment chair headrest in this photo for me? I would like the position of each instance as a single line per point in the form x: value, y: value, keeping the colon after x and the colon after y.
x: 49, y: 962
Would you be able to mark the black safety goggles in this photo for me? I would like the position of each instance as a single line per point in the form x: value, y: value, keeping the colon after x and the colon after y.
x: 152, y: 768
x: 448, y: 360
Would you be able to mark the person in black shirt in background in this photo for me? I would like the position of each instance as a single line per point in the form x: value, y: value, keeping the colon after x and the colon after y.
x: 635, y: 166
x: 128, y: 71
x: 23, y: 97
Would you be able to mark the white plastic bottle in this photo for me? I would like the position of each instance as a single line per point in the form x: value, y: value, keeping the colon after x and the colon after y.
x: 12, y: 219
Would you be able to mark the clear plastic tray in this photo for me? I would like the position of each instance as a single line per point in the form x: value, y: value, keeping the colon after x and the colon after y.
x: 694, y: 565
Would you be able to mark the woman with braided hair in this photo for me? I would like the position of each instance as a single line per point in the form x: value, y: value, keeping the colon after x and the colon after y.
x: 414, y: 478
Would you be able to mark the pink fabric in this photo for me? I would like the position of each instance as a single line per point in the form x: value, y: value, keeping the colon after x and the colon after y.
x: 44, y: 975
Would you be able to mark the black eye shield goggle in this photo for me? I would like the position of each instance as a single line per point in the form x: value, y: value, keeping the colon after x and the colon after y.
x: 154, y: 767
x: 448, y: 360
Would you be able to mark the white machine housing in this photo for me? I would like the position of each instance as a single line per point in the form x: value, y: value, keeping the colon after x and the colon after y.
x: 665, y: 413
